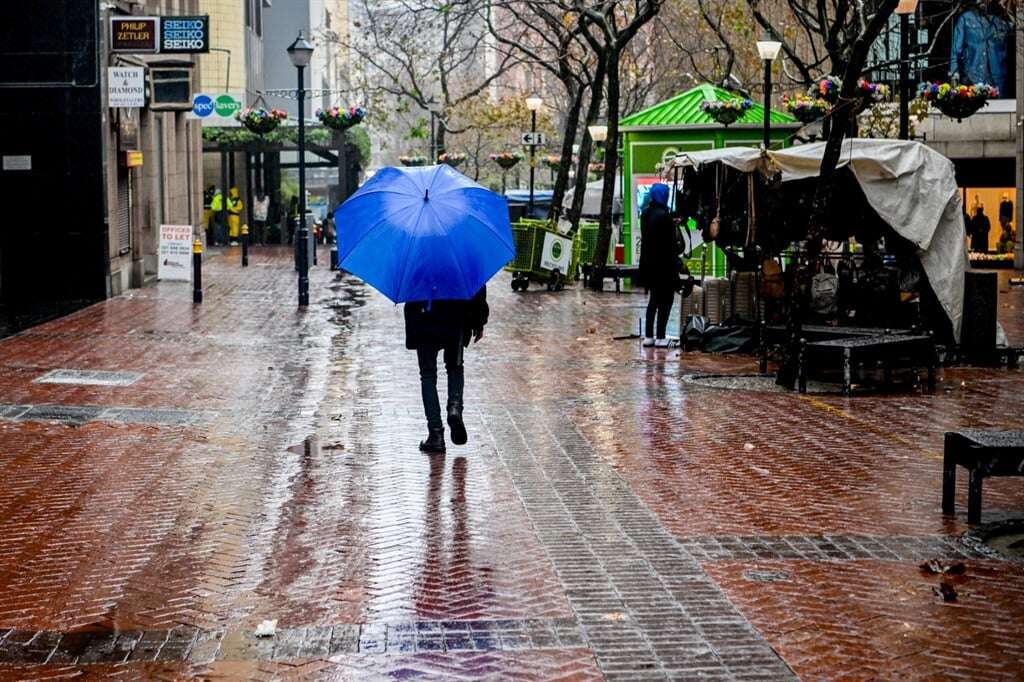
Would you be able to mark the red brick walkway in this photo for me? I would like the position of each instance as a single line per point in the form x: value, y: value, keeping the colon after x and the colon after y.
x: 609, y: 517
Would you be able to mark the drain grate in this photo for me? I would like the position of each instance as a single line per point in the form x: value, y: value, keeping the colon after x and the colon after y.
x: 88, y: 377
x: 78, y: 414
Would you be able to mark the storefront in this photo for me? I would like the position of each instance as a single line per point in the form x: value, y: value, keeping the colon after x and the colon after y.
x: 655, y: 135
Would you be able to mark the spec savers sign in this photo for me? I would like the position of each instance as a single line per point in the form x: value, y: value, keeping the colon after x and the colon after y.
x: 184, y: 34
x: 216, y: 109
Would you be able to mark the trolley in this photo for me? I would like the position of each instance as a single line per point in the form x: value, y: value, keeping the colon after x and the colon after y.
x: 542, y: 255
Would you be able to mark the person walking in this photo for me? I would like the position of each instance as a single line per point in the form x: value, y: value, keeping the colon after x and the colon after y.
x: 659, y: 265
x: 235, y: 206
x: 260, y: 210
x: 444, y: 326
x: 217, y: 209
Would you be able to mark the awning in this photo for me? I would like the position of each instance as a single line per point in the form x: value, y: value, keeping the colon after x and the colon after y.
x: 911, y: 187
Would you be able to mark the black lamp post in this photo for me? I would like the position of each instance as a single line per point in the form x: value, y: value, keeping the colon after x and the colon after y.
x: 533, y: 103
x: 904, y: 10
x: 300, y: 53
x: 768, y: 51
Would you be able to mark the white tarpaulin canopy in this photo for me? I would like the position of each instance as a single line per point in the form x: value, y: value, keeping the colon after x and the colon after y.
x: 911, y: 187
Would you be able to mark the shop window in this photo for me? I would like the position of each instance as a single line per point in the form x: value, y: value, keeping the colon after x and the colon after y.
x: 171, y: 88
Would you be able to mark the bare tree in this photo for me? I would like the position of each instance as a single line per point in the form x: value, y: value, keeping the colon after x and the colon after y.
x: 821, y: 208
x: 435, y: 55
x: 610, y: 26
x: 538, y: 32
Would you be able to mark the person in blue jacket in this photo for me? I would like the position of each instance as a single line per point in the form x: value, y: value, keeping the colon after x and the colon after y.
x: 979, y: 48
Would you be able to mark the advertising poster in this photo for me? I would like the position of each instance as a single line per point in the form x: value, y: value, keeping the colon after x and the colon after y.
x: 557, y: 253
x: 174, y: 257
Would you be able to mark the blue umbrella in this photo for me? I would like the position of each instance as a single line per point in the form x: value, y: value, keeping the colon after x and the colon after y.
x: 421, y: 234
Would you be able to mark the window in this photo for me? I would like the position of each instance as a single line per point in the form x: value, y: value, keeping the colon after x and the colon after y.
x: 248, y: 13
x: 257, y: 10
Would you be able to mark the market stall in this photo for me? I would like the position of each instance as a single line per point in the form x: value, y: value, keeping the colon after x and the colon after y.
x: 897, y: 201
x: 652, y: 137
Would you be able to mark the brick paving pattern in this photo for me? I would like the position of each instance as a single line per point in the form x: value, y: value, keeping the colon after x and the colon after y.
x: 174, y: 474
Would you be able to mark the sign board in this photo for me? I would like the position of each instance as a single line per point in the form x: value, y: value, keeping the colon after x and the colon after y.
x: 184, y: 34
x: 18, y: 163
x: 127, y: 130
x: 133, y: 159
x: 126, y: 87
x: 216, y: 109
x: 174, y: 255
x: 557, y: 253
x: 533, y: 139
x: 134, y: 34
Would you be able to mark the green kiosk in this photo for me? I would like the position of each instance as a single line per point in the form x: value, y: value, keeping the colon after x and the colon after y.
x: 651, y: 136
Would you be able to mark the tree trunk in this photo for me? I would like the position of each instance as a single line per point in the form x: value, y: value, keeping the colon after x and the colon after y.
x: 586, y: 145
x: 611, y: 159
x: 821, y: 208
x: 572, y: 122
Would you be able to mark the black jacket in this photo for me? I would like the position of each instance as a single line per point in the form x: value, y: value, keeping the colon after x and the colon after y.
x: 659, y: 249
x: 439, y: 323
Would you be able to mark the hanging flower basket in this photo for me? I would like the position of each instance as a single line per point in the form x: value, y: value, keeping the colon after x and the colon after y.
x: 957, y: 101
x: 552, y: 161
x: 341, y: 119
x: 415, y: 160
x: 726, y: 111
x: 259, y: 120
x: 826, y: 88
x: 596, y: 168
x: 870, y: 94
x: 507, y: 159
x: 453, y: 159
x: 806, y: 109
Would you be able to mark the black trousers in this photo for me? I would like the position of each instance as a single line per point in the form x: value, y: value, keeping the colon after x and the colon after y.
x: 659, y: 306
x: 427, y: 358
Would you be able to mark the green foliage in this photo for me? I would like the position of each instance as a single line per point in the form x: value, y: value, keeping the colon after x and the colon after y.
x: 315, y: 134
x: 419, y: 130
x: 360, y: 139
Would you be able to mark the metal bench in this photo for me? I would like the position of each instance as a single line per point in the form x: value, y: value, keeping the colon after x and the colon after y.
x: 985, y: 454
x: 615, y: 272
x: 775, y: 334
x: 907, y: 350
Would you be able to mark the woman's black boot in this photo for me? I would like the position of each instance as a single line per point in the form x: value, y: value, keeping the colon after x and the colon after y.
x: 434, y: 442
x: 455, y: 424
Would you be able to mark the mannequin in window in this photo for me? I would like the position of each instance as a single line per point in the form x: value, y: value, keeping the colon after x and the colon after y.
x: 979, y: 49
x: 1005, y: 208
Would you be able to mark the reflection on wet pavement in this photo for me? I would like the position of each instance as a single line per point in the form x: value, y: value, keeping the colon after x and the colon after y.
x: 604, y: 519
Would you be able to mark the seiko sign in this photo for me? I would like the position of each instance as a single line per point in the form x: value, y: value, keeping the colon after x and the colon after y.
x: 185, y: 34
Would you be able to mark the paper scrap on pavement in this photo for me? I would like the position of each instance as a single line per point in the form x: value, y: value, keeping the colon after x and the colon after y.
x: 267, y: 628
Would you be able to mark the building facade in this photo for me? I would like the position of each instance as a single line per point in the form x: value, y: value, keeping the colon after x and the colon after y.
x: 89, y: 184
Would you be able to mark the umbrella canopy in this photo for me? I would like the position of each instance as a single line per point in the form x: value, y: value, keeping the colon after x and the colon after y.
x: 426, y: 233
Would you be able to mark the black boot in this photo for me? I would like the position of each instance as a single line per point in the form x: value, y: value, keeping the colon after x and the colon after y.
x: 434, y: 442
x: 455, y: 424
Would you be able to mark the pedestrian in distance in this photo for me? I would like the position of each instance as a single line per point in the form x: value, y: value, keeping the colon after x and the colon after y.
x: 260, y: 211
x: 659, y: 264
x: 235, y: 206
x: 444, y: 326
x: 217, y: 209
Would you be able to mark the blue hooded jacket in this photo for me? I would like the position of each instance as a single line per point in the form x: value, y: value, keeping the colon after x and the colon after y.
x: 659, y: 194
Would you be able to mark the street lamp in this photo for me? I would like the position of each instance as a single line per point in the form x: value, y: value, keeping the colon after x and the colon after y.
x: 768, y: 50
x: 904, y: 10
x: 598, y: 134
x: 533, y: 103
x: 300, y: 52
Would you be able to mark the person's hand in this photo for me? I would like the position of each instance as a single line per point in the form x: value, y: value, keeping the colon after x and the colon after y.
x: 478, y: 334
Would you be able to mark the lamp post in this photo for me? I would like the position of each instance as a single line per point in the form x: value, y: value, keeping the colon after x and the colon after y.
x: 904, y: 10
x: 533, y: 103
x: 300, y: 53
x: 768, y: 51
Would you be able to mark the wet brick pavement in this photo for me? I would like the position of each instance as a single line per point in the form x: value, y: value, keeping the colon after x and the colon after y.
x: 195, y: 470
